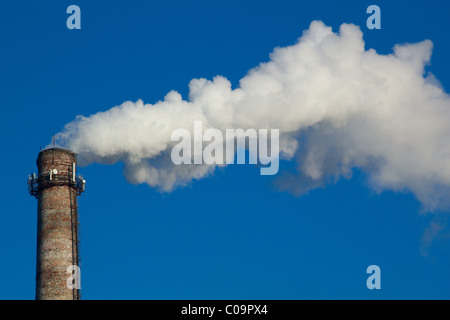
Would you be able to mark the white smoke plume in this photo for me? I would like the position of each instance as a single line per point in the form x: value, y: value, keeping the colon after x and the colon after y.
x: 337, y: 107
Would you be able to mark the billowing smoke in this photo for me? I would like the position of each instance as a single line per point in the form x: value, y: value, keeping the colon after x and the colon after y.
x: 337, y: 107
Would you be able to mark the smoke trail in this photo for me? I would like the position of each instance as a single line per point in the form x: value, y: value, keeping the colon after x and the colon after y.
x: 337, y: 106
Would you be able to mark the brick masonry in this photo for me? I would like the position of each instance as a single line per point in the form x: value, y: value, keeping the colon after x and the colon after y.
x: 57, y: 235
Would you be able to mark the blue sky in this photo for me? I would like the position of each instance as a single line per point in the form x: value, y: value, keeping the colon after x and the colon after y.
x: 233, y: 235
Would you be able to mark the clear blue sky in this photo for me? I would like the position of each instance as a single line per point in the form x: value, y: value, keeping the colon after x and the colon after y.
x: 230, y: 236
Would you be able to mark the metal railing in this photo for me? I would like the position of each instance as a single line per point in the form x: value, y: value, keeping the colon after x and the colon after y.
x: 48, y: 180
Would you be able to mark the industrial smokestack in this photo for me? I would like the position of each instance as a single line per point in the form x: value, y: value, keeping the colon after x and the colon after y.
x: 56, y: 187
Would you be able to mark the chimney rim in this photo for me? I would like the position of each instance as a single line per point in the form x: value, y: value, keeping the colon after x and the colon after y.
x: 63, y: 150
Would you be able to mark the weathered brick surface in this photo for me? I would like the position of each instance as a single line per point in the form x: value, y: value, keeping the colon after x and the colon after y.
x: 57, y: 240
